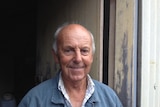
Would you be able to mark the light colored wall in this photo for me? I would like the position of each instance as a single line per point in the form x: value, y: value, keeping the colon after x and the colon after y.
x: 150, y: 60
x: 53, y: 13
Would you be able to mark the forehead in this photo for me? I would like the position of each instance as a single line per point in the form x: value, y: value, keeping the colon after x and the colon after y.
x: 74, y: 34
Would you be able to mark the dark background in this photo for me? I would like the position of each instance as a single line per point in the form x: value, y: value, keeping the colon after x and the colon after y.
x: 18, y: 46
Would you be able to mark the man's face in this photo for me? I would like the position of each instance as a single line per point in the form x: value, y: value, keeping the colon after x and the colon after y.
x: 74, y: 52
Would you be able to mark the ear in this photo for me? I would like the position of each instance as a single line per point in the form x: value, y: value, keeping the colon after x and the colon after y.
x: 55, y: 56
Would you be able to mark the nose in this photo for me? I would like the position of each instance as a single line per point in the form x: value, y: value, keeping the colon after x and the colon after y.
x: 78, y: 57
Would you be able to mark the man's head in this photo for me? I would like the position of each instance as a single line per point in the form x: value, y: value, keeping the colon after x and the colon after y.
x: 57, y: 34
x: 74, y: 49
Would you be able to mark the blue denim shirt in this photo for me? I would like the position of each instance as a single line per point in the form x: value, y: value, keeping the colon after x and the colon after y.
x: 47, y: 94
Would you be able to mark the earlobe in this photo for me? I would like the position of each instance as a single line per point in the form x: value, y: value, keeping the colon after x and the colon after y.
x: 55, y: 56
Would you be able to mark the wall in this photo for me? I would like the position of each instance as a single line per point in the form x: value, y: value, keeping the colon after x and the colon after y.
x: 123, y: 50
x: 53, y: 13
x: 150, y: 54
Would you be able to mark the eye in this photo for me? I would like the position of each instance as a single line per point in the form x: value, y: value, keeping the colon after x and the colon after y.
x: 68, y: 51
x: 85, y: 51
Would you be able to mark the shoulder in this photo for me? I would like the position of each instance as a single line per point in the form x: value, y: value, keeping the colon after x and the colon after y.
x: 38, y: 94
x: 106, y: 95
x: 40, y: 89
x: 43, y: 87
x: 46, y: 85
x: 104, y: 90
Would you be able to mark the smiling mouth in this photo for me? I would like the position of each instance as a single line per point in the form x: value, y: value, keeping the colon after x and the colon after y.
x: 76, y: 67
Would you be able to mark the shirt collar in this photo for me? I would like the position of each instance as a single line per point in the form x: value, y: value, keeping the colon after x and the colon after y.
x: 89, y: 91
x: 61, y: 87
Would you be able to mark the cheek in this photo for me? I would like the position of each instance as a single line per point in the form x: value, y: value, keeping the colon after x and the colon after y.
x: 89, y: 60
x: 64, y: 60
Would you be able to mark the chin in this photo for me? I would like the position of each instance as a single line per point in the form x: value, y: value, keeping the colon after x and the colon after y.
x: 78, y: 78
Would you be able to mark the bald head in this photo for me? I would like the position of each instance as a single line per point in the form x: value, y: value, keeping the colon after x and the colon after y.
x: 78, y: 29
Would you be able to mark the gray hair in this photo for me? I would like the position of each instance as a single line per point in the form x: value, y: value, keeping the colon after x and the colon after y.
x: 56, y: 34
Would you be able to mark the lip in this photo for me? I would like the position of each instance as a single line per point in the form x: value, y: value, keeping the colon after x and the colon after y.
x: 76, y: 67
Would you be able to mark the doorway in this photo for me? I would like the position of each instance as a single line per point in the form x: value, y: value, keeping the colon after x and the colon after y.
x: 18, y: 47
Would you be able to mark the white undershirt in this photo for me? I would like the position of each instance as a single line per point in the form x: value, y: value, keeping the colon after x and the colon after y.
x: 89, y: 91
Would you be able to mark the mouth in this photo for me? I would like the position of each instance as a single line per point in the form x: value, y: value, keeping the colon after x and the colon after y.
x: 76, y: 67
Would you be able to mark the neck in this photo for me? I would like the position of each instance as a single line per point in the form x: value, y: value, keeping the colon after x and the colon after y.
x: 76, y: 92
x: 75, y: 86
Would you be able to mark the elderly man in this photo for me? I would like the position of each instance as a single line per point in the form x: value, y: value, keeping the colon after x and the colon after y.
x: 73, y: 50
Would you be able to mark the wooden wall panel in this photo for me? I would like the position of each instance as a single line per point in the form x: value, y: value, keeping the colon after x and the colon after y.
x: 125, y: 51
